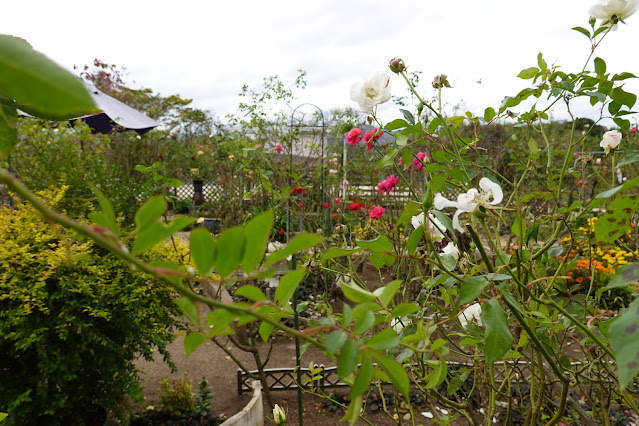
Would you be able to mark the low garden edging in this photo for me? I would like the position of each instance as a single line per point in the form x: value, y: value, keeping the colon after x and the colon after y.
x: 253, y: 413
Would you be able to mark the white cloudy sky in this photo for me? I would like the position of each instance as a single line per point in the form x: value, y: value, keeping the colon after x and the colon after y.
x: 206, y: 50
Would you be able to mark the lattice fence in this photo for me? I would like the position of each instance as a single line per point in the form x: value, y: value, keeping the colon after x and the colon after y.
x: 285, y: 378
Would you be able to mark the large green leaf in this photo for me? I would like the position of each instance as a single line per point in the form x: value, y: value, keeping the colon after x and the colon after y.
x: 334, y: 252
x: 356, y: 293
x: 624, y: 339
x: 230, y: 249
x: 396, y: 374
x: 300, y: 242
x: 335, y: 341
x: 616, y: 221
x: 190, y: 308
x: 498, y: 335
x: 8, y: 127
x: 203, y: 250
x: 364, y: 376
x: 348, y: 358
x: 287, y: 286
x: 471, y: 288
x: 378, y: 245
x: 625, y: 275
x: 385, y: 339
x: 150, y: 212
x: 256, y: 233
x: 38, y: 85
x: 157, y: 231
x: 192, y: 341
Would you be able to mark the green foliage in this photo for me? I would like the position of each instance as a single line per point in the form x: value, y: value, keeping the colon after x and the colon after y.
x: 176, y: 397
x: 72, y: 321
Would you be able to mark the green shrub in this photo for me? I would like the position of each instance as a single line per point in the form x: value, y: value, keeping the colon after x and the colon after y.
x: 73, y: 318
x: 176, y: 397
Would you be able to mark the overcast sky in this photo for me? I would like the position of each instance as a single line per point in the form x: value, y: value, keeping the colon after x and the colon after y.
x: 206, y: 50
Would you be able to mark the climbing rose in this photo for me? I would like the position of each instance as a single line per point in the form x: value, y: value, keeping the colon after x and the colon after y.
x: 610, y: 141
x: 335, y: 216
x: 326, y: 205
x: 354, y: 136
x: 490, y: 194
x: 279, y: 148
x: 333, y: 171
x: 377, y: 212
x: 471, y: 313
x: 613, y: 11
x: 387, y: 185
x: 371, y: 137
x: 371, y: 92
x: 419, y: 163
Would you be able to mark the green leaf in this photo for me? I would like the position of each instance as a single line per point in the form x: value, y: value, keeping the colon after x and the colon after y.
x: 250, y: 292
x: 624, y: 339
x: 38, y: 85
x: 256, y: 234
x: 364, y: 376
x: 379, y: 244
x: 105, y: 218
x: 438, y: 375
x: 411, y: 209
x: 388, y: 292
x: 266, y: 329
x: 190, y: 308
x: 396, y: 374
x: 364, y: 323
x: 287, y: 286
x: 471, y: 288
x: 230, y: 249
x: 528, y: 73
x: 434, y: 124
x: 401, y: 139
x: 385, y: 339
x: 156, y: 232
x: 519, y: 227
x: 624, y: 276
x: 629, y: 158
x: 203, y: 250
x: 8, y: 127
x: 404, y: 309
x: 396, y: 124
x: 623, y: 97
x: 347, y: 360
x: 616, y: 221
x: 353, y: 412
x: 150, y: 212
x: 533, y: 147
x: 582, y: 30
x: 357, y: 294
x: 408, y: 116
x: 414, y: 239
x: 600, y: 66
x: 335, y: 341
x: 301, y: 241
x: 192, y: 341
x: 388, y: 159
x: 489, y: 114
x: 540, y: 61
x: 334, y: 252
x: 498, y: 336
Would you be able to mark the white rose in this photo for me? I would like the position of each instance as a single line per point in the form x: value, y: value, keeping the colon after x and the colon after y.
x: 451, y: 249
x: 371, y: 92
x: 435, y: 227
x: 471, y: 313
x: 611, y: 140
x: 613, y: 11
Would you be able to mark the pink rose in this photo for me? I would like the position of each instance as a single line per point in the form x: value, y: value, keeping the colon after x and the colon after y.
x: 370, y: 138
x: 377, y: 212
x: 419, y: 163
x: 387, y: 185
x: 354, y: 136
x: 279, y: 148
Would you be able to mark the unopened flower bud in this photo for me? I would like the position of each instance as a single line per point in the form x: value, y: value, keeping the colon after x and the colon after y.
x: 440, y: 81
x: 397, y: 65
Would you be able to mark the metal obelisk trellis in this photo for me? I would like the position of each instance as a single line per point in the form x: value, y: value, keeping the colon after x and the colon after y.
x: 288, y: 230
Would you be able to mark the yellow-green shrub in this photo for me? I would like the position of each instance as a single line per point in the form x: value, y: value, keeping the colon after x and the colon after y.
x: 73, y: 318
